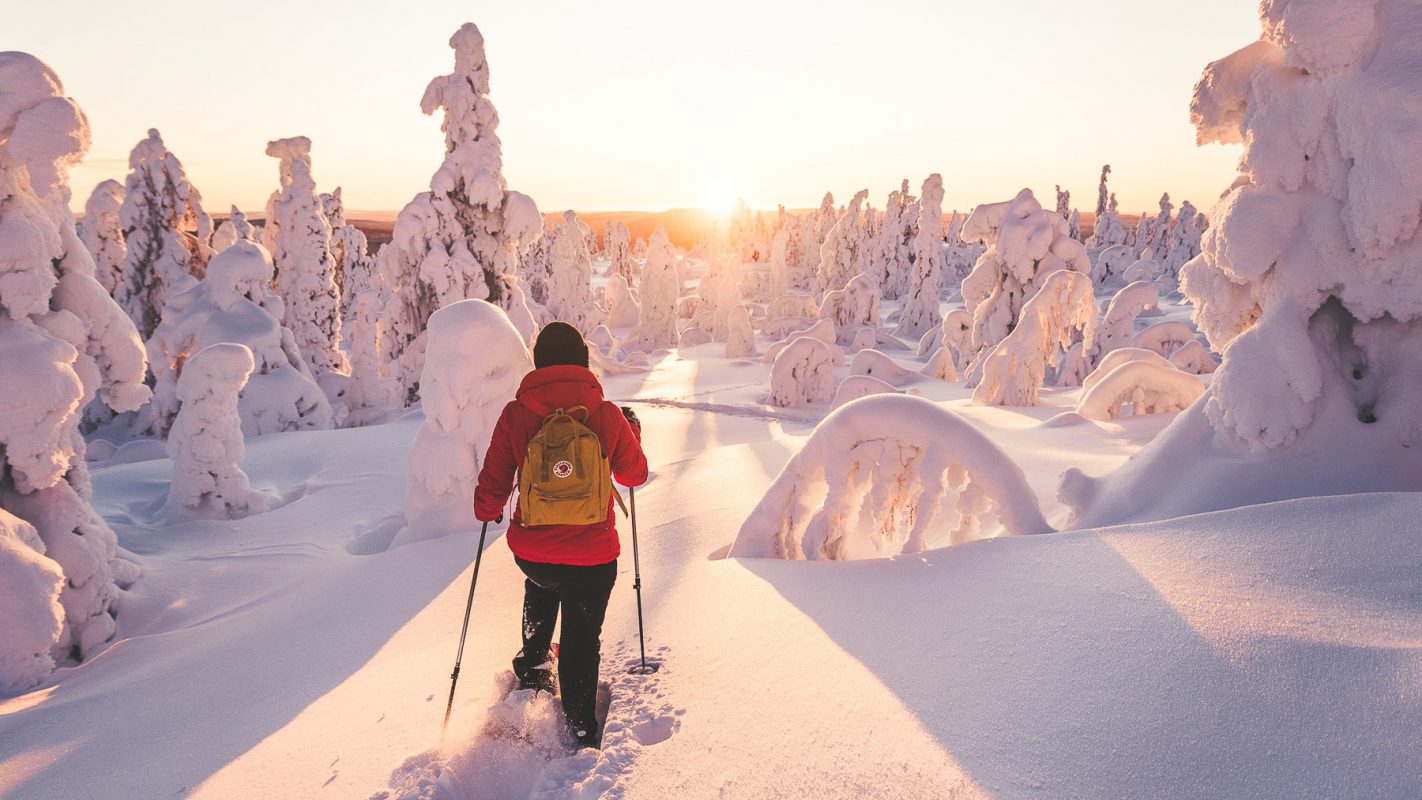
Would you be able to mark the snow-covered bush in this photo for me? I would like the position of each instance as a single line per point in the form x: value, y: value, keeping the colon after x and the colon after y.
x: 62, y: 339
x: 570, y: 277
x: 822, y: 330
x: 1027, y: 244
x: 1118, y: 357
x: 233, y: 304
x: 854, y: 307
x: 1164, y: 337
x: 301, y: 253
x: 802, y: 374
x: 619, y: 254
x: 1146, y: 386
x: 1148, y: 269
x: 462, y: 238
x: 165, y: 231
x: 856, y: 386
x: 740, y: 339
x: 1062, y: 313
x: 875, y: 364
x: 658, y: 293
x: 1118, y: 324
x: 801, y: 306
x: 921, y: 298
x: 885, y: 475
x: 476, y: 359
x: 32, y: 618
x: 842, y: 251
x: 941, y: 365
x: 102, y: 232
x: 206, y: 442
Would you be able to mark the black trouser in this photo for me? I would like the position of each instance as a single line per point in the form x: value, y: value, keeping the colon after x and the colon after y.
x: 582, y: 592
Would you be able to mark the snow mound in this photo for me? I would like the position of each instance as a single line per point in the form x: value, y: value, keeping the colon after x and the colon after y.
x: 875, y: 364
x: 857, y: 386
x: 803, y: 374
x: 876, y: 478
x: 1146, y: 386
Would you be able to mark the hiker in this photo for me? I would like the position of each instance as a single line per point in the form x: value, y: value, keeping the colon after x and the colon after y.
x: 568, y: 566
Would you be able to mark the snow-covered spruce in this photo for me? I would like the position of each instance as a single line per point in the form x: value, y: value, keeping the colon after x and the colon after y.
x: 1109, y: 229
x: 1183, y: 243
x: 802, y: 374
x: 1026, y: 244
x: 622, y: 309
x: 657, y: 293
x: 740, y: 339
x: 33, y: 619
x: 476, y: 358
x: 852, y: 308
x: 165, y: 230
x: 842, y: 251
x: 367, y: 391
x: 205, y: 442
x: 884, y: 475
x: 570, y: 297
x: 1061, y: 314
x: 1146, y: 386
x: 1118, y: 324
x: 461, y: 239
x: 348, y: 246
x: 891, y: 253
x: 102, y: 233
x: 62, y: 339
x: 305, y: 268
x: 921, y: 298
x: 619, y: 254
x: 231, y: 229
x: 233, y: 304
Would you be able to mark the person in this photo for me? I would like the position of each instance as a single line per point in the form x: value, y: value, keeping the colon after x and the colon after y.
x: 568, y: 567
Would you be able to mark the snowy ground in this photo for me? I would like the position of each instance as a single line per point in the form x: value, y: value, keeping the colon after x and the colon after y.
x: 1270, y: 651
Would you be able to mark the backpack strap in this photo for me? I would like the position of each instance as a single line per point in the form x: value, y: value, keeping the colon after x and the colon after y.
x: 618, y: 495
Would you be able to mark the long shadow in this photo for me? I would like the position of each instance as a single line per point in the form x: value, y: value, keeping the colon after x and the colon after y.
x: 183, y: 702
x: 1049, y: 667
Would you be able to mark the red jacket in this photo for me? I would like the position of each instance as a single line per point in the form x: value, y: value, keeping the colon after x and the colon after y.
x: 542, y: 392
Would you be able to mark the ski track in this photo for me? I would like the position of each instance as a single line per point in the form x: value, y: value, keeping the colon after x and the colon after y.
x: 522, y: 751
x: 762, y: 413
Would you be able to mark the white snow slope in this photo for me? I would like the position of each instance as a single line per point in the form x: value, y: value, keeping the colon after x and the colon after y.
x: 1268, y: 651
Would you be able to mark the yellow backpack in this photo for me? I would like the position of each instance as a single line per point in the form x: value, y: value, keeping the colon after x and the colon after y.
x: 565, y: 478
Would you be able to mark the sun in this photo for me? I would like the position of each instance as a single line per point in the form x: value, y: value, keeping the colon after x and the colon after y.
x: 720, y: 197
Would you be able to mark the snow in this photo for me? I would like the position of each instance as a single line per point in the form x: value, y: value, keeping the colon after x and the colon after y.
x: 570, y: 297
x: 856, y: 386
x: 658, y: 293
x: 476, y: 360
x: 1146, y: 386
x: 31, y: 618
x: 802, y: 373
x: 206, y: 442
x: 921, y: 300
x: 102, y: 233
x: 873, y: 478
x: 875, y: 364
x: 1060, y: 314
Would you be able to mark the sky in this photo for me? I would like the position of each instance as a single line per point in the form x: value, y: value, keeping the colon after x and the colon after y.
x: 648, y: 105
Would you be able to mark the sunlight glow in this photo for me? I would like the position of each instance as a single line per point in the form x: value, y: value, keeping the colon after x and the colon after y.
x: 720, y: 197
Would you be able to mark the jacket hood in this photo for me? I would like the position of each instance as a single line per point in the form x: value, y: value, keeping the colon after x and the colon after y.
x: 548, y: 389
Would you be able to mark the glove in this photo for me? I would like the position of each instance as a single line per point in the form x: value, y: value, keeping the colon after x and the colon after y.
x: 632, y: 418
x: 499, y: 519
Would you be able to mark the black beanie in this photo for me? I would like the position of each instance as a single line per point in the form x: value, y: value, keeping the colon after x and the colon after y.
x: 559, y: 343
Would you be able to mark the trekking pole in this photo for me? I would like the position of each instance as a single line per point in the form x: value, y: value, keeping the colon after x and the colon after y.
x: 644, y: 668
x: 459, y: 656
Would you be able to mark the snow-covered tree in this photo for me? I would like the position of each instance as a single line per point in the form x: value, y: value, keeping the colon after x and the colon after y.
x: 305, y: 268
x: 842, y: 254
x: 920, y: 312
x: 461, y: 239
x: 886, y: 475
x: 621, y: 307
x: 876, y: 364
x: 62, y: 339
x: 102, y: 232
x: 802, y: 374
x: 1110, y: 229
x: 367, y: 390
x: 233, y: 303
x: 1061, y: 314
x: 1146, y: 386
x: 890, y: 258
x: 740, y: 339
x: 476, y: 359
x: 231, y: 229
x: 206, y: 442
x: 1102, y: 192
x: 1063, y: 202
x: 570, y: 277
x: 1160, y: 230
x: 1185, y: 238
x: 1026, y: 245
x: 658, y: 293
x: 1118, y: 324
x: 348, y: 245
x: 619, y: 253
x: 535, y: 266
x: 1308, y: 279
x: 853, y: 308
x: 165, y: 231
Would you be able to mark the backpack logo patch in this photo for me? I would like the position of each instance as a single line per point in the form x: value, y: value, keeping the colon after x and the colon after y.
x: 563, y: 469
